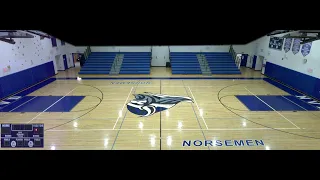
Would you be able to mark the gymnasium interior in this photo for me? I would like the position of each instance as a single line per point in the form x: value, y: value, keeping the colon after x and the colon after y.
x: 261, y: 95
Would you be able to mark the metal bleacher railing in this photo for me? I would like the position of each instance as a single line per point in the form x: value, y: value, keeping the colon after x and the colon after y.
x: 87, y: 52
x: 169, y: 54
x: 150, y: 56
x: 233, y: 52
x: 204, y: 61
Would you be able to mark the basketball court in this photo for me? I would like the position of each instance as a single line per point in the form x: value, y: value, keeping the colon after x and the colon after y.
x: 167, y: 112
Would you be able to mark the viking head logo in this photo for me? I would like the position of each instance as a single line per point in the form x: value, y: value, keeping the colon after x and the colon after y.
x: 147, y: 104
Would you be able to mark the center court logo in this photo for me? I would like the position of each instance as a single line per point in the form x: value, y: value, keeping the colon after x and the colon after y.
x: 147, y: 104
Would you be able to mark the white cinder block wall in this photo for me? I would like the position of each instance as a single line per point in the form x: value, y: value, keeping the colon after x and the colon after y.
x: 80, y: 49
x: 120, y: 48
x: 160, y: 54
x: 223, y: 48
x: 30, y: 52
x: 260, y: 47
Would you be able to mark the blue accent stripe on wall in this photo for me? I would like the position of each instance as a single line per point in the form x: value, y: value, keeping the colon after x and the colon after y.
x: 36, y: 87
x: 283, y: 87
x: 302, y: 82
x: 1, y: 93
x: 16, y: 82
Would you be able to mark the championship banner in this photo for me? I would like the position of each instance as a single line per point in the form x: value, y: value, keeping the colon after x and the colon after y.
x: 287, y: 44
x: 276, y: 43
x: 296, y: 46
x: 305, y: 49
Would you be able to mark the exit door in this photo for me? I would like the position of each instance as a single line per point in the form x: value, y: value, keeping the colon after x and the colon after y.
x: 160, y: 55
x: 263, y: 66
x: 65, y: 61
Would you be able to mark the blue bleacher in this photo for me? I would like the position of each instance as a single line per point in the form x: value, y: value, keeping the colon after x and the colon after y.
x: 187, y: 63
x: 221, y: 63
x: 98, y: 63
x: 136, y: 63
x: 133, y: 63
x: 184, y: 63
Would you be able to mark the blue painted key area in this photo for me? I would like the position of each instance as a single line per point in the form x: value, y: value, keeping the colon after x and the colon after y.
x: 277, y: 102
x: 13, y: 99
x: 297, y: 97
x: 15, y: 104
x: 38, y: 104
x: 253, y: 103
x: 42, y: 103
x: 303, y: 104
x: 66, y: 104
x: 280, y: 104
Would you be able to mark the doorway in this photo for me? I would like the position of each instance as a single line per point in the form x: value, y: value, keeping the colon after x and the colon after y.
x: 160, y: 56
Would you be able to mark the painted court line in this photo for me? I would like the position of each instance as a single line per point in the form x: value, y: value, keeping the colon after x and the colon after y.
x: 273, y: 109
x: 23, y: 104
x: 112, y: 86
x: 52, y: 105
x: 67, y: 119
x: 122, y: 108
x: 197, y: 107
x: 295, y: 103
x: 9, y: 103
x: 214, y: 129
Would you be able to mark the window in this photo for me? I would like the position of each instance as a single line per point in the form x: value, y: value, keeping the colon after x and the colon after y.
x: 54, y: 42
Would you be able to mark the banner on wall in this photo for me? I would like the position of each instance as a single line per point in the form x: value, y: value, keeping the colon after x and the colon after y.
x: 305, y: 49
x: 276, y: 43
x: 287, y: 44
x: 296, y: 46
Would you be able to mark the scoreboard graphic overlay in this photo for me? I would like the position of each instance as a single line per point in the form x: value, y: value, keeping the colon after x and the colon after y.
x: 22, y: 135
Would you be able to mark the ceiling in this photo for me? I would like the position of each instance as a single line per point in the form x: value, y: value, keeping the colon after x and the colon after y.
x: 152, y: 35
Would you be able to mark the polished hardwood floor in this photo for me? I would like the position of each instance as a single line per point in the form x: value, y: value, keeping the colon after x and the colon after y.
x: 215, y: 120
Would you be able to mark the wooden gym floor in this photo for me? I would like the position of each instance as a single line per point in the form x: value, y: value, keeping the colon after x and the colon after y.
x: 225, y: 113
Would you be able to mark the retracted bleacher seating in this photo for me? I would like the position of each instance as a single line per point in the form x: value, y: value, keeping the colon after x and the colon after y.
x: 98, y: 63
x: 185, y: 63
x: 135, y: 63
x: 221, y: 63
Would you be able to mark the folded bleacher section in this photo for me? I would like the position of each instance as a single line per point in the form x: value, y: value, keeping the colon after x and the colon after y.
x: 221, y: 63
x: 136, y: 63
x: 185, y: 63
x: 98, y: 63
x: 132, y: 63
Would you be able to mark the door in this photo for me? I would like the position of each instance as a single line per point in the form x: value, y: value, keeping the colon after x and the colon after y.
x: 238, y: 60
x: 259, y: 63
x: 55, y: 65
x: 65, y: 61
x: 249, y: 62
x: 254, y: 61
x: 70, y: 61
x: 263, y: 66
x: 75, y: 57
x: 244, y: 59
x: 59, y: 62
x: 160, y: 55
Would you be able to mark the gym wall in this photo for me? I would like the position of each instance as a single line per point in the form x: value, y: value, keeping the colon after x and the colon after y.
x: 28, y: 61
